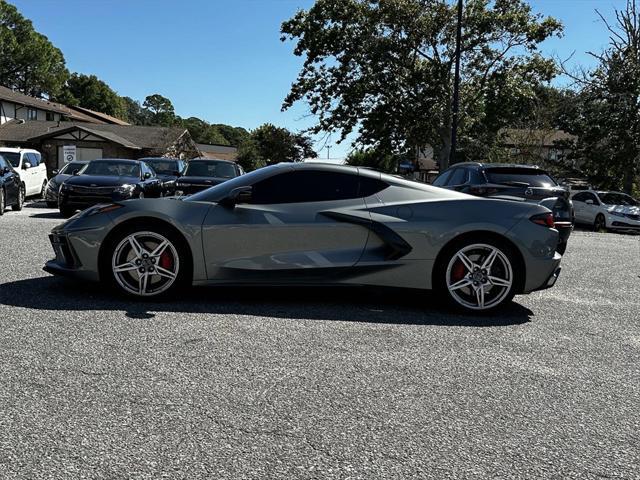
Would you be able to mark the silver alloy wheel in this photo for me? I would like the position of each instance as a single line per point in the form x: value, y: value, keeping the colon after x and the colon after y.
x: 145, y: 263
x: 479, y: 276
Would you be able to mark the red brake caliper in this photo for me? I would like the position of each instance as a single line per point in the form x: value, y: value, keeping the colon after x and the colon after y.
x: 457, y: 272
x: 166, y: 261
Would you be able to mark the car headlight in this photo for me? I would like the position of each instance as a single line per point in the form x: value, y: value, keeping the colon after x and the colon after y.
x: 126, y: 189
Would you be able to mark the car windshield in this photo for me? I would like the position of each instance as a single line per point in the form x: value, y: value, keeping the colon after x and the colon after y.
x: 70, y: 167
x: 13, y: 158
x: 164, y: 167
x: 198, y: 168
x: 514, y: 176
x: 613, y: 198
x: 112, y: 168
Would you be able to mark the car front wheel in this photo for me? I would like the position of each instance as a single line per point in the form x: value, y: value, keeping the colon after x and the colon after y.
x: 478, y: 275
x: 600, y: 224
x: 146, y: 263
x: 19, y: 201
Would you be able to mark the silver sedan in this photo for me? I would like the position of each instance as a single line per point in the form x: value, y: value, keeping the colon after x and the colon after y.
x: 316, y: 224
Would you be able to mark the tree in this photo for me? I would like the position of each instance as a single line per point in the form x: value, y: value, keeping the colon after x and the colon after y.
x: 29, y: 63
x: 608, y: 120
x: 383, y: 68
x: 269, y: 144
x: 134, y: 113
x: 381, y: 161
x: 161, y: 111
x: 90, y: 92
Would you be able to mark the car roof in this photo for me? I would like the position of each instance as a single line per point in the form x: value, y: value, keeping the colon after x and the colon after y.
x: 497, y: 165
x: 17, y: 150
x: 217, y: 160
x: 146, y: 159
x: 123, y: 160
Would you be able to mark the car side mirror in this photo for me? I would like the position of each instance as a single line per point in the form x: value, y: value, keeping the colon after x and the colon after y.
x: 238, y: 196
x: 147, y: 176
x: 55, y: 172
x: 589, y: 202
x: 26, y: 166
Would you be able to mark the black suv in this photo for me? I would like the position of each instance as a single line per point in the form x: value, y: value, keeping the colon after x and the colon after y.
x: 513, y: 182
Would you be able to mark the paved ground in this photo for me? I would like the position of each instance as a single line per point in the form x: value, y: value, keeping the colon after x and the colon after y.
x: 251, y: 383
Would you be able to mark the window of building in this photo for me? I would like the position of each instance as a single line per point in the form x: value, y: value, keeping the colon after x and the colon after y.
x: 32, y: 114
x: 50, y: 117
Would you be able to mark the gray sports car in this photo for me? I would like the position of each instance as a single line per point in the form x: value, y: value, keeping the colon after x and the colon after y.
x: 311, y: 224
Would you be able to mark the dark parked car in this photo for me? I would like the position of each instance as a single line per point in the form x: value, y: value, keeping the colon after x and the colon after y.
x: 11, y: 189
x: 168, y: 171
x: 201, y: 174
x: 513, y: 182
x: 108, y: 180
x: 60, y: 176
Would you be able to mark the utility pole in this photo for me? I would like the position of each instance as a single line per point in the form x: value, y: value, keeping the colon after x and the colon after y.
x: 456, y: 90
x: 328, y: 147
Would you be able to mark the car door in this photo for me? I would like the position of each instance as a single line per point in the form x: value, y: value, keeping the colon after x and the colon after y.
x: 591, y: 208
x: 289, y: 230
x: 579, y: 207
x: 10, y: 182
x: 151, y: 185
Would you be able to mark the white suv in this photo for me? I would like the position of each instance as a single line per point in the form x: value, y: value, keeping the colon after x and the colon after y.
x: 29, y: 165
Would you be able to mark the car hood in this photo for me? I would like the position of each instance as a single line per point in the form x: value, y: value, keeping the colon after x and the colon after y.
x: 626, y: 209
x: 166, y: 177
x: 208, y: 181
x: 100, y: 180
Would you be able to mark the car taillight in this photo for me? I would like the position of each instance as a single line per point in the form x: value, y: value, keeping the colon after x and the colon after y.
x: 544, y: 219
x: 482, y: 191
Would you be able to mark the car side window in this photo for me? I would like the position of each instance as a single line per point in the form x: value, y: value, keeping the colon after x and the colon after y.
x: 475, y: 177
x: 580, y: 197
x: 591, y: 196
x: 442, y: 179
x: 147, y: 169
x: 3, y: 163
x: 33, y: 159
x: 305, y: 186
x: 459, y: 177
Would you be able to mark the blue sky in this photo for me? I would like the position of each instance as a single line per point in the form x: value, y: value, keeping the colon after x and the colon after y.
x: 222, y: 60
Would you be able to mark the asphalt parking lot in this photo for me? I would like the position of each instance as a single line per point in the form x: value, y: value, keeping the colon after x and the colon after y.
x: 293, y: 383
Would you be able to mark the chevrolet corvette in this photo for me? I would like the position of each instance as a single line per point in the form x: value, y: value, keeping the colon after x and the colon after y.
x: 315, y: 224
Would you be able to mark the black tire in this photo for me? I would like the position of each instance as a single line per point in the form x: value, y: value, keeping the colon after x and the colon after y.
x: 184, y: 272
x: 600, y: 224
x: 3, y: 201
x: 450, y: 252
x: 51, y: 204
x: 562, y: 247
x: 20, y: 202
x: 67, y: 212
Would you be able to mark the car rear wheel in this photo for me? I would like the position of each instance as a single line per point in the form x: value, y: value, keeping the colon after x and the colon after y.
x: 478, y: 275
x: 146, y: 263
x: 600, y: 224
x: 20, y: 200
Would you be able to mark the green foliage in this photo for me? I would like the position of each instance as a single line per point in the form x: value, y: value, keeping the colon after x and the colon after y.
x: 90, y: 92
x: 160, y: 110
x: 381, y: 161
x: 135, y: 114
x: 29, y: 63
x: 608, y: 114
x: 269, y: 144
x: 383, y: 68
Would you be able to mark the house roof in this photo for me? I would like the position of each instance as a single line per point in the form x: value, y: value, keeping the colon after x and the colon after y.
x: 103, y: 117
x: 130, y: 136
x: 9, y: 95
x: 217, y: 152
x: 537, y: 137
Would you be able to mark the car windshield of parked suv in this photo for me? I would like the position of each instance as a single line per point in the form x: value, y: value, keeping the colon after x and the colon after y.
x: 111, y: 168
x: 197, y: 168
x: 13, y: 158
x: 613, y: 198
x: 70, y: 167
x: 515, y: 176
x: 164, y: 167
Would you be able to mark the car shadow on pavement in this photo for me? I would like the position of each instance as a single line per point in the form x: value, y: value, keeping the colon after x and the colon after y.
x: 353, y: 304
